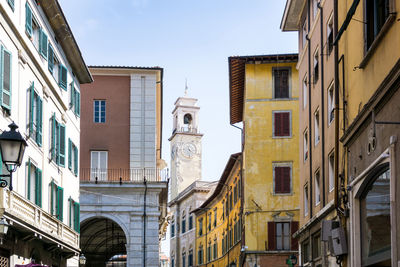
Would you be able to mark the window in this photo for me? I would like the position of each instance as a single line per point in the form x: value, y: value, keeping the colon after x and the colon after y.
x: 28, y: 20
x: 43, y: 43
x: 317, y: 188
x: 329, y: 34
x: 172, y: 228
x: 375, y: 221
x: 52, y: 61
x: 331, y: 170
x: 56, y: 200
x: 74, y: 215
x: 282, y: 178
x: 316, y: 127
x: 34, y: 183
x: 282, y: 124
x: 281, y: 83
x: 75, y: 100
x: 99, y: 111
x: 215, y: 249
x: 190, y: 258
x: 240, y: 187
x: 316, y: 246
x: 209, y: 222
x: 223, y: 244
x: 316, y: 67
x: 72, y: 157
x: 282, y: 236
x: 201, y: 227
x: 172, y: 262
x: 331, y: 104
x: 226, y: 206
x: 57, y: 150
x: 215, y: 217
x: 62, y: 76
x: 305, y: 252
x: 306, y: 200
x: 184, y: 259
x: 304, y: 34
x: 99, y: 165
x: 305, y: 91
x: 377, y: 12
x: 5, y: 81
x: 209, y: 252
x: 200, y: 255
x: 183, y: 223
x: 305, y: 145
x: 35, y: 115
x: 190, y: 222
x: 230, y: 199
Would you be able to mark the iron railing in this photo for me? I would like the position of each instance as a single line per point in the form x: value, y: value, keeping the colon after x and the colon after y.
x: 124, y: 175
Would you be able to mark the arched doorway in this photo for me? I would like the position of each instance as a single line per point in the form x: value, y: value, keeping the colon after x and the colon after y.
x: 103, y: 242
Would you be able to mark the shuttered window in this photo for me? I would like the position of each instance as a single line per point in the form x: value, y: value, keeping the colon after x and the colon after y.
x: 74, y: 215
x: 281, y: 83
x: 11, y: 3
x: 57, y: 149
x: 282, y: 179
x: 62, y: 76
x: 72, y: 157
x: 34, y: 183
x: 57, y: 201
x: 51, y: 58
x: 75, y: 100
x: 28, y: 20
x: 282, y: 127
x: 5, y: 78
x: 43, y: 43
x: 35, y: 115
x: 280, y: 235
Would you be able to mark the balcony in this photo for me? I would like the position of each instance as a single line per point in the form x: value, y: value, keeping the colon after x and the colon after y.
x: 186, y: 129
x: 132, y: 175
x: 28, y: 217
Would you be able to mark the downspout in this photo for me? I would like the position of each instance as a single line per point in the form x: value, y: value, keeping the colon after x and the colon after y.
x: 144, y: 221
x: 336, y: 55
x: 309, y: 107
x: 322, y: 102
x: 242, y: 240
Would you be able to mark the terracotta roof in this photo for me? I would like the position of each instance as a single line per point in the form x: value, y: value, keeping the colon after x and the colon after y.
x: 225, y: 174
x: 237, y: 79
x: 125, y: 67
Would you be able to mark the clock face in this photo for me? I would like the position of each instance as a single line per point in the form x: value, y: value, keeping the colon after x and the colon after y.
x: 189, y: 150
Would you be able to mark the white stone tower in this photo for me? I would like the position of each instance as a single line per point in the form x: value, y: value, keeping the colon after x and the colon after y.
x: 185, y: 145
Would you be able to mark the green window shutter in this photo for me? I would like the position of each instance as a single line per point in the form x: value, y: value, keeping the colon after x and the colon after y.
x: 31, y: 102
x: 6, y: 79
x: 76, y: 161
x: 39, y: 121
x: 28, y: 20
x: 70, y: 154
x: 11, y: 3
x: 61, y: 160
x: 70, y: 202
x: 53, y: 137
x: 38, y: 187
x: 77, y: 103
x: 72, y: 97
x: 52, y: 197
x: 60, y: 202
x: 77, y: 217
x: 62, y: 77
x: 43, y: 43
x: 29, y: 178
x: 50, y: 58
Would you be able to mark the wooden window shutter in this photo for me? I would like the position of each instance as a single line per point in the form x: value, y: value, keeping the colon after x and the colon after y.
x: 43, y: 43
x: 285, y: 123
x: 294, y: 226
x: 277, y: 124
x: 271, y: 236
x: 5, y: 79
x: 38, y: 187
x: 29, y: 178
x: 76, y: 161
x: 31, y: 104
x: 77, y: 217
x: 62, y: 145
x: 69, y: 154
x: 53, y: 138
x: 72, y: 96
x: 285, y: 179
x: 62, y: 77
x: 77, y: 103
x: 50, y: 58
x: 39, y: 121
x: 278, y: 180
x: 28, y: 19
x: 60, y: 202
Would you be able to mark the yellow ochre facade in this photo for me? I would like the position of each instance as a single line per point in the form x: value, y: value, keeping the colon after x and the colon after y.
x: 264, y: 97
x: 218, y: 220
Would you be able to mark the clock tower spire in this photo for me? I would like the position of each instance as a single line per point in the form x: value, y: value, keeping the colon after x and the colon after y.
x: 185, y: 145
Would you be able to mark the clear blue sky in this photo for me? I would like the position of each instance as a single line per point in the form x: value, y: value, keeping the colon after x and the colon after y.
x: 189, y: 39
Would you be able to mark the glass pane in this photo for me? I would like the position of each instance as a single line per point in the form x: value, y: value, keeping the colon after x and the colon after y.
x: 375, y: 218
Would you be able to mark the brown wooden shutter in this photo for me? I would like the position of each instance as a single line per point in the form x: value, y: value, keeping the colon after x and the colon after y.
x: 277, y: 124
x: 285, y: 122
x: 294, y: 226
x: 278, y: 179
x: 286, y: 180
x: 271, y: 236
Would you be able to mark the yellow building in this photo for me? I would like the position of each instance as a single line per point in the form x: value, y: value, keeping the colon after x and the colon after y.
x: 218, y: 222
x: 264, y: 97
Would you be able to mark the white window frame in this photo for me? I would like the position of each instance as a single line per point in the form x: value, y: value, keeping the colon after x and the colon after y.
x: 305, y: 145
x: 331, y: 103
x: 331, y: 171
x: 316, y: 127
x: 317, y: 188
x: 100, y: 105
x: 100, y: 173
x: 306, y: 200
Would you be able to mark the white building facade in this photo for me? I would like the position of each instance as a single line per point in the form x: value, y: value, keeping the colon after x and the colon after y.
x: 41, y: 72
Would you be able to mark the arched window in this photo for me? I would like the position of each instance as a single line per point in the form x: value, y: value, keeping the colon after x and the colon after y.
x: 187, y: 119
x: 375, y: 220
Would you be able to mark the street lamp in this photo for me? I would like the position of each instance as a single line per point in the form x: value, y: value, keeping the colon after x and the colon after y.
x: 12, y: 148
x: 82, y: 260
x: 3, y: 229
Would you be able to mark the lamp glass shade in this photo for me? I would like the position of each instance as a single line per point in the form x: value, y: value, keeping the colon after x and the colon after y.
x: 82, y: 259
x: 3, y: 226
x: 12, y: 151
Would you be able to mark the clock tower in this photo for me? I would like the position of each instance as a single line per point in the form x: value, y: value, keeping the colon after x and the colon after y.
x: 185, y: 145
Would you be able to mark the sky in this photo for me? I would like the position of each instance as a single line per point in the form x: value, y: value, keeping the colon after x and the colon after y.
x: 191, y: 40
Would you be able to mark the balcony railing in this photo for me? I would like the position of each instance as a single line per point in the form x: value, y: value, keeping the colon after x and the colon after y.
x: 186, y: 129
x: 16, y: 206
x: 124, y: 175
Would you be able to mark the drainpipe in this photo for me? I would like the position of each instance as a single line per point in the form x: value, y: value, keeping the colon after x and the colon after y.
x: 336, y: 55
x: 144, y: 221
x: 322, y: 102
x: 242, y: 239
x: 309, y: 108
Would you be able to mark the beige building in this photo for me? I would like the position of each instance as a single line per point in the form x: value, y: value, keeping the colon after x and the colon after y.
x: 318, y: 124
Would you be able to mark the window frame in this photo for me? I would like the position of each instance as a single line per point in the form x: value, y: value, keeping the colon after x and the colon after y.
x: 316, y: 66
x: 290, y: 124
x: 331, y: 171
x: 317, y: 189
x: 289, y: 89
x: 100, y: 117
x: 317, y: 136
x: 305, y: 91
x: 329, y: 35
x: 282, y: 165
x: 104, y: 173
x: 306, y: 199
x: 306, y: 143
x: 283, y: 236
